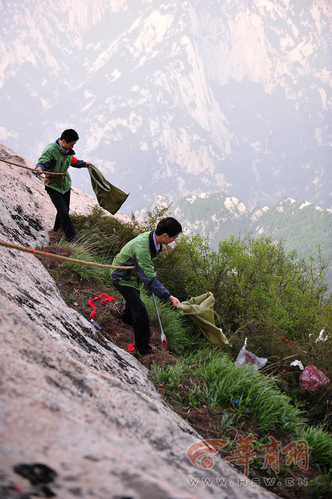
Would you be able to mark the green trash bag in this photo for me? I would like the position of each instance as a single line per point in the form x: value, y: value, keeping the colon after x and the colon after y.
x: 201, y: 311
x: 109, y: 197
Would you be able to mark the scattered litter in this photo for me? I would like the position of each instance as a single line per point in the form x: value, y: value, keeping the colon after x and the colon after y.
x: 321, y: 338
x: 118, y: 305
x: 297, y: 363
x: 288, y: 343
x: 312, y: 378
x: 245, y: 357
x: 96, y: 325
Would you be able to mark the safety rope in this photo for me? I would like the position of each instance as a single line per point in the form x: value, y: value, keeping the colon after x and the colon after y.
x: 28, y: 168
x: 62, y: 258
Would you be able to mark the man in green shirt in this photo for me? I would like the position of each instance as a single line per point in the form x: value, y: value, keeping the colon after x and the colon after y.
x: 57, y: 158
x: 139, y: 252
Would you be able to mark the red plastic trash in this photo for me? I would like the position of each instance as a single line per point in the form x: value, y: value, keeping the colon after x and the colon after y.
x: 312, y: 378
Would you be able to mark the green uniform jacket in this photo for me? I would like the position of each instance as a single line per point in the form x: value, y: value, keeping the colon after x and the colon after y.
x: 55, y: 158
x: 139, y: 252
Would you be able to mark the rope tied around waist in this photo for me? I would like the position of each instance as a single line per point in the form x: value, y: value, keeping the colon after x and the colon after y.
x: 58, y: 178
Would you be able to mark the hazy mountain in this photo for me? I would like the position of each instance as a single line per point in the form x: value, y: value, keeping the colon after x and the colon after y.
x: 176, y: 97
x: 302, y: 226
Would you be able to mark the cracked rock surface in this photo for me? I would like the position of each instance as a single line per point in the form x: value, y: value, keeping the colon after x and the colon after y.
x: 78, y: 415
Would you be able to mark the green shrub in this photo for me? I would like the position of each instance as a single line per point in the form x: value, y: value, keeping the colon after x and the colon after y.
x: 275, y: 299
x: 255, y: 393
x: 320, y: 444
x: 272, y: 297
x: 104, y: 234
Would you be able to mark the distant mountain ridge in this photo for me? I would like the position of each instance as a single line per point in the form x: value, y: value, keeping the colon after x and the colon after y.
x: 178, y: 97
x: 301, y: 225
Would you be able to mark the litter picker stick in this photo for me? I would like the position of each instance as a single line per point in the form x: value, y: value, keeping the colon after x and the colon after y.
x: 59, y: 257
x: 162, y: 335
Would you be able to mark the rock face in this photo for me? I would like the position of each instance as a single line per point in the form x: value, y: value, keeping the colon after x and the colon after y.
x: 78, y: 416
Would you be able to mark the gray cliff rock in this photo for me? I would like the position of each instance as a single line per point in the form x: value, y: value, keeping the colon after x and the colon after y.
x: 78, y: 416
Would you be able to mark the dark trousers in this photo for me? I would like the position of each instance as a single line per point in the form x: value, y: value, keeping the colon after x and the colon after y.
x: 62, y: 219
x: 135, y: 312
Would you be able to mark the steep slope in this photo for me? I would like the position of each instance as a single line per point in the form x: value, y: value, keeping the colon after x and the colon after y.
x: 78, y: 415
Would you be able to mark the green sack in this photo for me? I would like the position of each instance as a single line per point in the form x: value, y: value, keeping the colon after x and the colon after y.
x: 201, y: 311
x: 109, y: 197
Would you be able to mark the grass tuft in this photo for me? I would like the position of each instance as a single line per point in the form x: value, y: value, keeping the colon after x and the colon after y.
x: 222, y: 383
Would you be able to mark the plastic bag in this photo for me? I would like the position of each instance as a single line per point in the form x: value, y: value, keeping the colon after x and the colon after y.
x: 245, y: 357
x: 297, y: 363
x: 312, y: 378
x: 201, y: 310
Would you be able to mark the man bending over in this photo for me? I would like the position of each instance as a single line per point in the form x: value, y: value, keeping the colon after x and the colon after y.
x: 140, y: 252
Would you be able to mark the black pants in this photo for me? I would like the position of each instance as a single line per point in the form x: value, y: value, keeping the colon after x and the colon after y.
x: 62, y: 219
x: 136, y: 312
